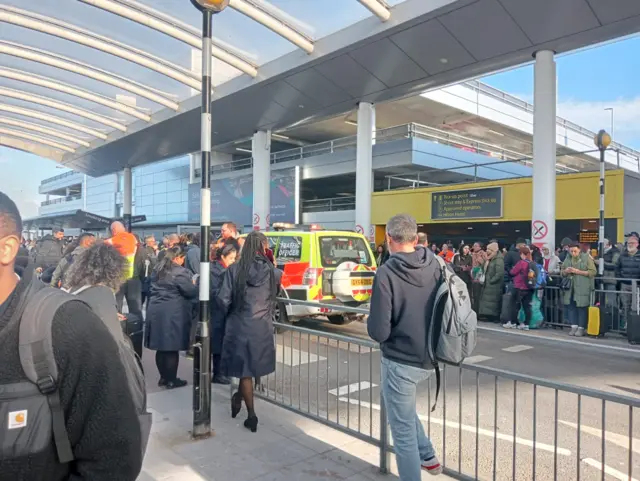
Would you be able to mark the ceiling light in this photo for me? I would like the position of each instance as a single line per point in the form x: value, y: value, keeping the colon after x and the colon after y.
x: 444, y: 60
x: 592, y: 221
x: 584, y: 230
x: 494, y: 223
x: 351, y: 122
x: 496, y: 133
x: 239, y: 149
x: 279, y: 136
x: 517, y: 230
x: 469, y: 228
x: 300, y: 106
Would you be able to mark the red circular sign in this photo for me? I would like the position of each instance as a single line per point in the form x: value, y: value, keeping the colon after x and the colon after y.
x: 539, y: 229
x: 256, y: 219
x: 359, y: 229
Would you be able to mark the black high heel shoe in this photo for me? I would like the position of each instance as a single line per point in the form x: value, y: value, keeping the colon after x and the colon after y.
x: 236, y: 404
x: 251, y: 423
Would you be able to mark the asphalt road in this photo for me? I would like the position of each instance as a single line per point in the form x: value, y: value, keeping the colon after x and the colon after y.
x: 339, y: 382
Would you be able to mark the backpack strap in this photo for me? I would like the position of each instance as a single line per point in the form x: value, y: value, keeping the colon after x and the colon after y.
x: 436, y: 366
x: 38, y: 362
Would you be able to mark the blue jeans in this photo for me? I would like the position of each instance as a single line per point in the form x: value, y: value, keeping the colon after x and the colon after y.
x: 411, y: 444
x: 576, y: 316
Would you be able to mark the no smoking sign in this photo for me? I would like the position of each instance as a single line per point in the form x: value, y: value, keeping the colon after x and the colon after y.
x: 539, y: 229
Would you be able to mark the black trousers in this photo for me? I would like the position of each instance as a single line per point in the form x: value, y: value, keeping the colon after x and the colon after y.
x: 522, y: 298
x: 131, y: 290
x: 167, y: 364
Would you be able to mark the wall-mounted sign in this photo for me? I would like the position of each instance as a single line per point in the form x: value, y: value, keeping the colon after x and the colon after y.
x: 485, y: 203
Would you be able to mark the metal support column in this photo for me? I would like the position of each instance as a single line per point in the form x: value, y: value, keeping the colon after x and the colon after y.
x: 364, y: 168
x: 261, y: 152
x: 202, y: 347
x: 127, y: 195
x: 543, y: 220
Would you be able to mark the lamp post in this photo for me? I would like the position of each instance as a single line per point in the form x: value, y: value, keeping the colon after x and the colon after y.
x: 602, y: 141
x: 202, y: 346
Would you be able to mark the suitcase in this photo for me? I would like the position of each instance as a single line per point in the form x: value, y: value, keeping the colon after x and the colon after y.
x: 595, y: 324
x: 633, y: 329
x: 133, y: 327
x: 506, y: 311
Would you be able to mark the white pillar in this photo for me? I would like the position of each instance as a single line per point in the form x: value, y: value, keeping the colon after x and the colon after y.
x: 543, y: 220
x: 127, y: 195
x: 364, y: 168
x: 261, y: 152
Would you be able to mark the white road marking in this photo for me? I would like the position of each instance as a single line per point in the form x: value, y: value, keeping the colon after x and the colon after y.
x: 617, y: 439
x: 352, y: 388
x: 469, y: 429
x: 541, y: 337
x: 476, y: 359
x: 518, y: 348
x: 293, y: 357
x: 608, y: 470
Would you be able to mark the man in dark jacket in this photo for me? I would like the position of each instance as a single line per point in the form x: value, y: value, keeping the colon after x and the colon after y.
x: 628, y: 268
x: 402, y: 302
x: 511, y: 259
x: 101, y: 419
x: 85, y: 241
x: 565, y: 245
x: 149, y: 261
x: 49, y: 252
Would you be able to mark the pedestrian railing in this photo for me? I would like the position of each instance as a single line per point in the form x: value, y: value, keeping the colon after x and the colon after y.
x: 489, y: 424
x: 619, y: 303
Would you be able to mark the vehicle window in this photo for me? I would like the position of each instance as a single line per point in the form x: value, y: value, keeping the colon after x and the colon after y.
x: 289, y: 249
x: 336, y: 250
x: 272, y: 243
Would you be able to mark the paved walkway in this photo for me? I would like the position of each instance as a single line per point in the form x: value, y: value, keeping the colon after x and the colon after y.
x: 287, y: 447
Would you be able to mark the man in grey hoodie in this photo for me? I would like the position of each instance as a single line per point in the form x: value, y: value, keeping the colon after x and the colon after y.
x: 402, y: 302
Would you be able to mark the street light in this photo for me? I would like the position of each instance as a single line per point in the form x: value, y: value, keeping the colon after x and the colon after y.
x: 202, y: 346
x: 602, y: 141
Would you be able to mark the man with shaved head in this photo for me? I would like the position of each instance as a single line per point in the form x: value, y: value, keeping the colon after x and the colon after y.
x: 127, y: 244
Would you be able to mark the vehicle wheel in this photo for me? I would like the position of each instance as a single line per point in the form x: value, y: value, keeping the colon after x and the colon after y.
x: 280, y: 316
x: 338, y: 320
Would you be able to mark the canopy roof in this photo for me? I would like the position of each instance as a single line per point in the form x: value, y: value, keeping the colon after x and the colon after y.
x: 103, y: 84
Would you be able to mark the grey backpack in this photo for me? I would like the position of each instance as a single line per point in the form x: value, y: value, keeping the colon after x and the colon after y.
x: 39, y: 365
x: 452, y: 333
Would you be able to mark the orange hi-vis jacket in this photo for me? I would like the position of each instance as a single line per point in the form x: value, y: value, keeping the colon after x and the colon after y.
x: 127, y: 245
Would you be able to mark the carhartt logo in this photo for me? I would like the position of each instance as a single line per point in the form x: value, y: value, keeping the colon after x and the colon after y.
x: 17, y: 419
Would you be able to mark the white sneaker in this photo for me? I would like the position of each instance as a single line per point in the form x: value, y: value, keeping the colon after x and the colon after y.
x: 523, y: 327
x: 573, y: 330
x: 580, y: 332
x: 432, y: 466
x: 509, y: 325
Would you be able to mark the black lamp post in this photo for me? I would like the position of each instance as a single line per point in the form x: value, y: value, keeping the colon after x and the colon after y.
x: 602, y: 141
x: 202, y: 347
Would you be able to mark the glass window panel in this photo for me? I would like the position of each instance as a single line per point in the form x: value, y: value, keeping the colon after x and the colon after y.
x: 174, y: 185
x: 159, y: 199
x: 159, y: 209
x: 147, y: 189
x: 159, y: 187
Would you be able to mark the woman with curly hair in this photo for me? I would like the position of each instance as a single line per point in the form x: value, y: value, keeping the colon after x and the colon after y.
x: 169, y: 314
x: 96, y: 275
x: 247, y: 299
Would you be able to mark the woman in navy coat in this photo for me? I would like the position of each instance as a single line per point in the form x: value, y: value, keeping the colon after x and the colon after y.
x: 223, y: 257
x: 169, y: 314
x: 248, y: 297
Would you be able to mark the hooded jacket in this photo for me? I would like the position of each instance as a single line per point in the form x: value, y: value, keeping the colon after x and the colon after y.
x: 64, y: 265
x: 404, y: 292
x: 248, y: 349
x: 48, y: 252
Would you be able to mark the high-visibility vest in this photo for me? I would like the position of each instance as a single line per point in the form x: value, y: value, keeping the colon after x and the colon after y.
x: 127, y: 245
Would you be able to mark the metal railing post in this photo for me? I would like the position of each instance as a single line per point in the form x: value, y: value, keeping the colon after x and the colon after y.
x: 384, y: 437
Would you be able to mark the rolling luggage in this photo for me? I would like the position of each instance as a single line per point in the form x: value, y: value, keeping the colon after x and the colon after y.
x: 633, y: 329
x: 133, y: 327
x: 596, y: 325
x: 505, y: 312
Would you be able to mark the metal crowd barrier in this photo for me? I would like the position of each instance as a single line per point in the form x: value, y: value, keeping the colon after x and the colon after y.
x: 489, y: 423
x: 615, y: 301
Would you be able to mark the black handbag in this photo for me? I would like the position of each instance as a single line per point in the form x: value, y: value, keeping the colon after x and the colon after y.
x: 566, y: 284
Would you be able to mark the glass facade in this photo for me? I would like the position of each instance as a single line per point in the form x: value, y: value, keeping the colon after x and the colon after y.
x: 161, y: 191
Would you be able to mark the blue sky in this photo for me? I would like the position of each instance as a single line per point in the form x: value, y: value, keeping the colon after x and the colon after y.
x: 588, y: 82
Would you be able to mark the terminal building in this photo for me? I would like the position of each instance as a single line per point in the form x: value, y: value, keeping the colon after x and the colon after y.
x: 465, y: 139
x: 331, y: 113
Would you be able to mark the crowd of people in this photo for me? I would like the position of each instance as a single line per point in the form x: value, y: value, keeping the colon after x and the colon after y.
x: 93, y: 383
x: 506, y: 285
